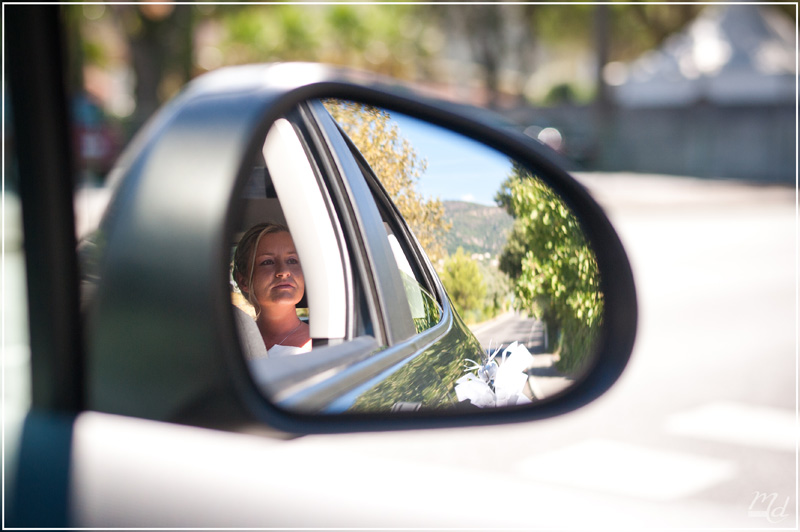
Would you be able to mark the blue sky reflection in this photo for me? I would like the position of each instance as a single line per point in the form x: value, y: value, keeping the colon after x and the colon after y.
x: 459, y: 168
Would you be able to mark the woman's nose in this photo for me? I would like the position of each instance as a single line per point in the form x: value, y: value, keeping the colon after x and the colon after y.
x: 282, y: 270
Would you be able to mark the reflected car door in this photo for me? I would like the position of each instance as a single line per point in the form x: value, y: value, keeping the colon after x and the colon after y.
x: 428, y: 343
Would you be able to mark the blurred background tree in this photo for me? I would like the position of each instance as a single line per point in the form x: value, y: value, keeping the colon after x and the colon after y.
x: 150, y: 50
x: 159, y: 38
x: 149, y: 45
x: 131, y: 58
x: 158, y: 47
x: 386, y: 38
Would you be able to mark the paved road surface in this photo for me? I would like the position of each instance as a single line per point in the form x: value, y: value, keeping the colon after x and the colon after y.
x: 512, y: 327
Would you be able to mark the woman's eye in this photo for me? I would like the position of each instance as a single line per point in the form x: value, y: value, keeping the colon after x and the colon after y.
x: 292, y: 260
x: 267, y: 262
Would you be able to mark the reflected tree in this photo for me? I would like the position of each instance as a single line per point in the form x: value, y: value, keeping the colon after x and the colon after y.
x: 464, y: 282
x: 553, y: 268
x: 397, y: 165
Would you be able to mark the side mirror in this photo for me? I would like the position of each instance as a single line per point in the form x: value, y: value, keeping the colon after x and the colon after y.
x: 389, y: 344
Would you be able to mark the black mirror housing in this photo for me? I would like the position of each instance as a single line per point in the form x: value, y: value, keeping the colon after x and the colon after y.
x: 215, y: 127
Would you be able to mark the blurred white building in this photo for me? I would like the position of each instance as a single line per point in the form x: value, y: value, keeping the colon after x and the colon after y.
x: 735, y: 54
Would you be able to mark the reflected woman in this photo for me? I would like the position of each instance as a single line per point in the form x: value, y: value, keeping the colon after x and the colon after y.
x: 267, y: 270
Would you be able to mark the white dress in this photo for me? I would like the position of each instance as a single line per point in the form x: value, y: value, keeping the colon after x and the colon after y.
x: 253, y: 343
x: 263, y: 369
x: 279, y: 350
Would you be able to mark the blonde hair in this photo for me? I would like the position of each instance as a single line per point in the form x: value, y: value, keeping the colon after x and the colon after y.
x: 244, y: 257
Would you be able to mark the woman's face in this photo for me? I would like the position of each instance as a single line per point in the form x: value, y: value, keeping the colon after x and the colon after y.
x: 277, y: 277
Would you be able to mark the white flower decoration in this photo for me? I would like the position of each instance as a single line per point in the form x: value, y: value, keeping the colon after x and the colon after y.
x: 495, y: 384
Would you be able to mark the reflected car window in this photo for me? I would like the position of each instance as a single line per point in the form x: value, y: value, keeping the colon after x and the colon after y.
x: 425, y: 310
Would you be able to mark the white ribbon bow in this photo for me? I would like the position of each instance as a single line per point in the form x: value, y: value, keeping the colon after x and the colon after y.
x: 496, y: 384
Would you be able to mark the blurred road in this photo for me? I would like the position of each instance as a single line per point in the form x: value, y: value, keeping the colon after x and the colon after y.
x: 701, y: 429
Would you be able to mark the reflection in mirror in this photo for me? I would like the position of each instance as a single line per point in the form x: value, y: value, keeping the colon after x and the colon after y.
x: 517, y: 268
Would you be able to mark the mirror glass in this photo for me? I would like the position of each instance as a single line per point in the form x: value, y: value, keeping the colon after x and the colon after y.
x: 353, y: 220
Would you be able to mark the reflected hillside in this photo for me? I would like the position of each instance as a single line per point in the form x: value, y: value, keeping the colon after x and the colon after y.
x: 476, y: 228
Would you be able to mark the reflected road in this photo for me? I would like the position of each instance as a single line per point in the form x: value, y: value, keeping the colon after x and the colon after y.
x: 512, y: 327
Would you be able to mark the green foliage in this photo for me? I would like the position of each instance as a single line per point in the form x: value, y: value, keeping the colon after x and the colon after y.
x: 634, y: 27
x: 256, y: 35
x: 384, y: 38
x: 464, y: 283
x: 561, y: 94
x: 577, y: 340
x: 566, y: 26
x: 514, y: 252
x: 554, y: 270
x: 645, y: 26
x: 498, y: 290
